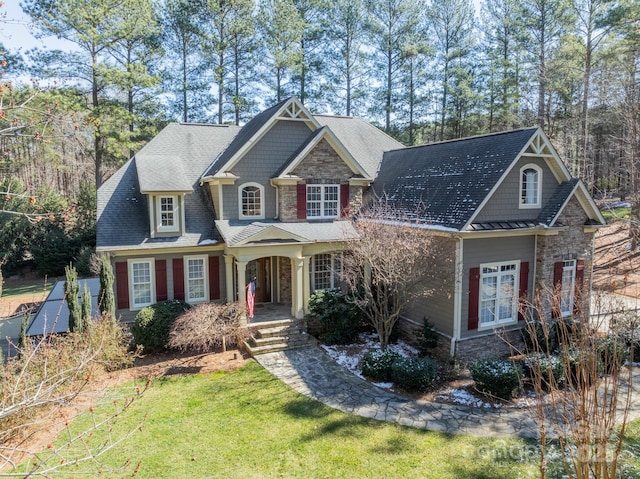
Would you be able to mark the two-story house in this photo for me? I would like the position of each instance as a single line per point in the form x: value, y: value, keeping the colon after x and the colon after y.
x: 201, y: 209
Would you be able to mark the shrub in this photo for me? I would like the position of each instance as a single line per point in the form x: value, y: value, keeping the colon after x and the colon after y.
x: 549, y: 368
x: 377, y: 364
x: 153, y: 323
x: 427, y: 337
x: 414, y: 374
x: 338, y: 319
x: 498, y: 377
x: 111, y: 339
x: 208, y: 326
x: 549, y: 336
x: 614, y: 352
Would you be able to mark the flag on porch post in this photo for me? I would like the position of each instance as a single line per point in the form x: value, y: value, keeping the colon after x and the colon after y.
x: 251, y: 296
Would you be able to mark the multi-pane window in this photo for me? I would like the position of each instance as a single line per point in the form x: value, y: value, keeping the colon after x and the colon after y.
x: 195, y: 279
x: 167, y: 208
x: 530, y: 187
x: 568, y: 287
x: 325, y: 271
x: 141, y: 283
x: 498, y: 293
x: 251, y: 201
x: 323, y: 201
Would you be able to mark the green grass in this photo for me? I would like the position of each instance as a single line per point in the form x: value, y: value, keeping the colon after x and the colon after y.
x: 36, y: 289
x: 615, y: 214
x: 248, y: 424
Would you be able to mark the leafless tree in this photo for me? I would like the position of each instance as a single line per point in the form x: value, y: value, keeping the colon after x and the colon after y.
x: 579, y: 372
x: 389, y: 266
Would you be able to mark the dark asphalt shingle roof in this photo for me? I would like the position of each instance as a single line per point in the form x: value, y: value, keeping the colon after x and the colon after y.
x: 443, y: 184
x: 557, y: 201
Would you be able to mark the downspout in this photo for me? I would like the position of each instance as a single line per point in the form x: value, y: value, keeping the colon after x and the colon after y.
x: 277, y: 203
x: 457, y: 296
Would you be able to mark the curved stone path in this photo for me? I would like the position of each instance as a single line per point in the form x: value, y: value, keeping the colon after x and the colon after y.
x: 313, y: 373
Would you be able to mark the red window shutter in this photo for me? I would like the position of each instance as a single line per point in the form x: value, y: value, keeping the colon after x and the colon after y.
x: 214, y: 277
x: 344, y: 200
x: 474, y: 298
x: 524, y: 289
x: 302, y: 202
x: 557, y: 288
x: 161, y: 280
x: 577, y: 298
x: 178, y: 279
x: 122, y: 285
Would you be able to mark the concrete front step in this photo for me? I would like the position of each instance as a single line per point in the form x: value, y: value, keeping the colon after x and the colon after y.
x: 278, y: 336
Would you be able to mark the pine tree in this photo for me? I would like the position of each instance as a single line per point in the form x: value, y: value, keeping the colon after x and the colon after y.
x: 107, y: 302
x: 86, y: 309
x: 71, y: 292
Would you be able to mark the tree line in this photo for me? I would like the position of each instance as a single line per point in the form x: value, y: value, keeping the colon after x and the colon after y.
x: 423, y: 71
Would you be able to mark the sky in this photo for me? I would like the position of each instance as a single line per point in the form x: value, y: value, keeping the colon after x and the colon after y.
x: 15, y: 32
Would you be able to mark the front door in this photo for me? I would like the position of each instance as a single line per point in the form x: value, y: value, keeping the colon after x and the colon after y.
x: 261, y: 269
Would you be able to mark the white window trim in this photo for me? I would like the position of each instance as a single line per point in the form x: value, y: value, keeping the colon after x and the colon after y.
x: 176, y: 214
x: 205, y: 262
x: 334, y: 278
x: 514, y: 315
x: 130, y: 262
x: 538, y: 204
x: 251, y: 217
x: 322, y: 201
x: 568, y: 265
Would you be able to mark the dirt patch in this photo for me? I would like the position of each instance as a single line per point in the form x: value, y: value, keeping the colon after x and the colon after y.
x: 616, y: 266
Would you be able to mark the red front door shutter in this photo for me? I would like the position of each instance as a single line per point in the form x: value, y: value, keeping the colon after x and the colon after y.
x: 524, y: 288
x: 344, y: 200
x: 302, y: 202
x: 122, y: 285
x: 178, y: 279
x: 161, y: 280
x: 474, y: 298
x: 214, y: 277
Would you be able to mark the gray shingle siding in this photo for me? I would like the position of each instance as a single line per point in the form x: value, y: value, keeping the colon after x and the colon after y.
x: 493, y: 250
x: 504, y: 204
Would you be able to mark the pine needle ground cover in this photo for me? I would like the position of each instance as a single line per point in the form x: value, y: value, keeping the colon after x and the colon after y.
x: 248, y: 424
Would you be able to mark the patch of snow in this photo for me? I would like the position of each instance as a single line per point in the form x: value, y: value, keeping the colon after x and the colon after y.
x: 461, y: 396
x: 207, y: 242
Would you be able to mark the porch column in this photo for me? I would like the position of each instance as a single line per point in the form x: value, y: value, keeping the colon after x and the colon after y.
x: 306, y: 283
x: 242, y: 277
x: 299, y: 286
x: 228, y: 270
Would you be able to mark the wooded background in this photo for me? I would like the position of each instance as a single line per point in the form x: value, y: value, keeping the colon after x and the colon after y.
x: 422, y: 71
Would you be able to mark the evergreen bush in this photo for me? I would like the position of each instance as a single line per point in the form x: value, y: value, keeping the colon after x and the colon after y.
x: 377, y: 364
x: 549, y: 368
x: 153, y: 323
x: 414, y: 374
x: 498, y: 377
x: 338, y: 320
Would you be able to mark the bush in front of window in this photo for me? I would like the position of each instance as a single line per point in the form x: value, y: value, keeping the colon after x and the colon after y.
x: 332, y: 317
x: 378, y: 364
x: 549, y: 369
x: 497, y: 377
x: 415, y: 374
x: 153, y: 323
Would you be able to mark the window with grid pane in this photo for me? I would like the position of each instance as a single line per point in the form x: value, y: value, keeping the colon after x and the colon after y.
x: 498, y: 293
x: 568, y: 287
x: 141, y: 284
x: 251, y: 203
x: 195, y: 279
x: 325, y: 271
x: 323, y: 201
x: 167, y: 212
x: 530, y: 186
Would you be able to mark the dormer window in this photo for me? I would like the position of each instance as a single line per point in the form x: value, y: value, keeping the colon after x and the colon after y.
x: 530, y: 186
x: 167, y: 213
x: 251, y: 201
x: 323, y: 201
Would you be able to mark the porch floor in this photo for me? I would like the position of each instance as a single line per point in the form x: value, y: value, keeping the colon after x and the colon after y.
x: 267, y: 312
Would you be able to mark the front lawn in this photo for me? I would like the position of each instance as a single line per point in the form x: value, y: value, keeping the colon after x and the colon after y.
x: 248, y: 424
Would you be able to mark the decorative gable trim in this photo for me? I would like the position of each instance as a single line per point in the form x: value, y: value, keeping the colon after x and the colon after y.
x: 291, y: 110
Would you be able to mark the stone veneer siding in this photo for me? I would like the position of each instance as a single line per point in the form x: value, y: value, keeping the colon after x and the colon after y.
x: 285, y: 279
x: 321, y: 166
x: 572, y: 243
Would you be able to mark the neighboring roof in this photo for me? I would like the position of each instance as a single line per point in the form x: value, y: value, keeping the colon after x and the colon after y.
x: 123, y: 214
x: 53, y: 315
x: 238, y: 233
x: 443, y: 184
x: 366, y: 143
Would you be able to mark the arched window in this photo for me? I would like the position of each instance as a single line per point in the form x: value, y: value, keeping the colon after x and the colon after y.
x: 530, y: 186
x: 251, y: 201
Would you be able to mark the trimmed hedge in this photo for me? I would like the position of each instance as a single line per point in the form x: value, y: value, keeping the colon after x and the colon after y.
x: 377, y: 364
x: 498, y: 377
x: 414, y: 374
x: 153, y: 323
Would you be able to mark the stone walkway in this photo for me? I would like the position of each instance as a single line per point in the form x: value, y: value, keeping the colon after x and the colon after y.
x: 313, y: 373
